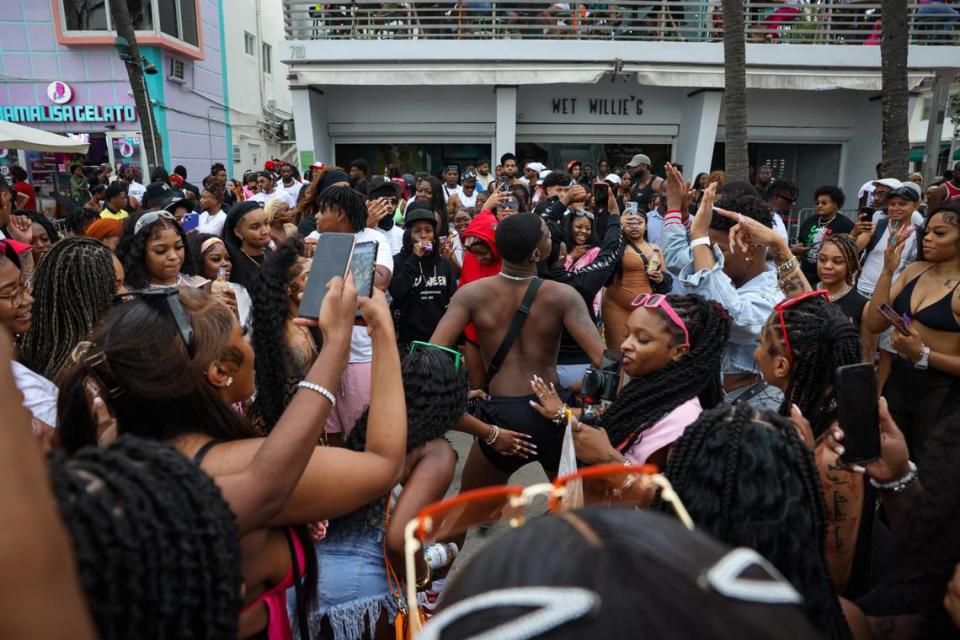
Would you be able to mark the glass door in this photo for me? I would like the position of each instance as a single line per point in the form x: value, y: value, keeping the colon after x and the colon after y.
x: 127, y: 147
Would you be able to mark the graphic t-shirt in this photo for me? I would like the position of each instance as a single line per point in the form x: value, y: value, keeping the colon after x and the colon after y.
x: 812, y: 233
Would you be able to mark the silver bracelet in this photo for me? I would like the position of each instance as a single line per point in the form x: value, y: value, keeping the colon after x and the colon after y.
x: 788, y: 266
x: 493, y: 436
x: 897, y: 486
x: 306, y: 384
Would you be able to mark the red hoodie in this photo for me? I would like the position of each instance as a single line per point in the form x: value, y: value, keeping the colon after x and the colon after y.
x: 483, y: 227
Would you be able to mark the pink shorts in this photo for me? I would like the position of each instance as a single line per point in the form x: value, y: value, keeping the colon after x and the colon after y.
x: 353, y: 398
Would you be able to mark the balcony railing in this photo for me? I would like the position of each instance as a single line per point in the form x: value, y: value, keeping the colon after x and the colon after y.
x: 803, y: 22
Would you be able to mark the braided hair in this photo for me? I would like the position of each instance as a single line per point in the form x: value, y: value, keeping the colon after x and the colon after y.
x: 132, y: 249
x: 847, y: 247
x: 436, y: 397
x: 72, y: 288
x: 78, y: 219
x: 270, y: 314
x: 156, y: 545
x: 43, y: 221
x: 646, y: 399
x: 747, y: 478
x: 822, y: 338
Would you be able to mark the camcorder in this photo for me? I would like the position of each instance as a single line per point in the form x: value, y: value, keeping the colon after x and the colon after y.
x: 600, y: 384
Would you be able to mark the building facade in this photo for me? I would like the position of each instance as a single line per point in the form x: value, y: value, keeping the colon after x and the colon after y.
x: 259, y: 98
x: 423, y: 87
x: 58, y: 60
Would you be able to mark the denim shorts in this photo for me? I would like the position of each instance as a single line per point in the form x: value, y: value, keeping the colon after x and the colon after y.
x: 352, y: 589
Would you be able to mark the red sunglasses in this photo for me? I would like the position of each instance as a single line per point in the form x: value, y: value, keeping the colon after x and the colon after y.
x: 789, y: 302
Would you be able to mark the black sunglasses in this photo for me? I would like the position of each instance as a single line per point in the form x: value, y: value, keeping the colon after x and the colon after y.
x: 170, y: 295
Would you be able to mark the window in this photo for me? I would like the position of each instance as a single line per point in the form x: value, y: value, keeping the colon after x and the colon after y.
x: 176, y: 69
x: 175, y: 18
x: 925, y: 108
x: 249, y: 44
x: 267, y: 58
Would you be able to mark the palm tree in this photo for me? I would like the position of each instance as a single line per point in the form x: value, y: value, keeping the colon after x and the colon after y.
x: 736, y: 162
x: 152, y: 143
x: 896, y: 92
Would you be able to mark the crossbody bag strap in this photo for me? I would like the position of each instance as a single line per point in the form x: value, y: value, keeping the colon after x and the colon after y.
x: 514, y: 331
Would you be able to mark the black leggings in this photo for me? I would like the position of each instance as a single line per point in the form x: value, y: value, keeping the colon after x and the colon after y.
x: 516, y: 414
x: 919, y: 400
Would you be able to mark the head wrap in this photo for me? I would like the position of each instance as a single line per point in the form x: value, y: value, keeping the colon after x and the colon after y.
x: 103, y: 228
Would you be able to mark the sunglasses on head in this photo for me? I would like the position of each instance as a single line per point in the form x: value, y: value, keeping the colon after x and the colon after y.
x: 151, y: 217
x: 170, y: 296
x: 659, y: 301
x: 608, y: 484
x: 789, y: 302
x: 415, y: 345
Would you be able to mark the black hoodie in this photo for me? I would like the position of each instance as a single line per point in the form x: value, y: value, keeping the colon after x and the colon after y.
x: 421, y: 289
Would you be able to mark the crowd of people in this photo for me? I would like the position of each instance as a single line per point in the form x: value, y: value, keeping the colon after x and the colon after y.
x: 189, y: 453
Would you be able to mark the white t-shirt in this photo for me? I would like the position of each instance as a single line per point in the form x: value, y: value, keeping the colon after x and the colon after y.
x: 361, y: 345
x: 212, y: 223
x: 136, y: 190
x: 395, y: 238
x: 293, y: 190
x: 448, y: 192
x: 468, y: 202
x: 39, y: 394
x: 264, y: 198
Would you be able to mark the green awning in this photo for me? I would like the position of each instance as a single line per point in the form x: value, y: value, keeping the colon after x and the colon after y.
x: 916, y: 154
x: 956, y: 154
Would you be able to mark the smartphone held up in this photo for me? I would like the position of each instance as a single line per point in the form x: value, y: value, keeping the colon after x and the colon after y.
x: 858, y: 413
x: 336, y: 255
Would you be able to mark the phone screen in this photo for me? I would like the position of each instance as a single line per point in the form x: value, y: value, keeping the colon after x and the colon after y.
x: 895, y: 318
x: 364, y: 266
x: 857, y: 412
x: 332, y: 259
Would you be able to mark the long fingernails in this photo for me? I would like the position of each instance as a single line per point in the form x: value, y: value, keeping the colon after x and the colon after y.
x: 858, y: 469
x: 840, y: 450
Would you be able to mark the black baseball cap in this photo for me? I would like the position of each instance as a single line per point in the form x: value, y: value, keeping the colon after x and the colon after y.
x: 380, y: 187
x: 417, y: 211
x: 904, y: 192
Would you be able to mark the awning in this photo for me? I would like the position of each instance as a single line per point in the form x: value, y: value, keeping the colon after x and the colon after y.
x: 819, y: 79
x: 466, y: 74
x: 956, y: 154
x: 916, y: 155
x: 18, y: 136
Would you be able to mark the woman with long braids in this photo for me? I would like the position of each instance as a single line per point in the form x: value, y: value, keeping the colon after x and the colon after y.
x: 284, y: 351
x: 179, y: 385
x: 155, y: 542
x: 153, y: 250
x: 838, y: 263
x: 210, y: 255
x: 72, y: 289
x: 353, y: 587
x: 748, y: 479
x: 44, y: 234
x: 247, y: 236
x: 672, y: 354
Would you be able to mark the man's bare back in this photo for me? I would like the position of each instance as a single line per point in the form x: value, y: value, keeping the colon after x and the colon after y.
x: 490, y: 304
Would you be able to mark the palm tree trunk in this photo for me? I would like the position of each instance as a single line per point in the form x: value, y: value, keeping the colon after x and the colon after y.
x: 895, y: 95
x: 152, y: 143
x: 736, y: 162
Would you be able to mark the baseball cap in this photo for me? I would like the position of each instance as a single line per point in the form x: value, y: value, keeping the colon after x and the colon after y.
x: 612, y: 178
x: 906, y: 193
x: 536, y: 166
x: 913, y: 186
x: 175, y: 199
x: 470, y: 176
x: 417, y: 211
x: 638, y: 160
x: 380, y: 187
x: 573, y: 163
x: 544, y: 175
x: 155, y: 192
x: 893, y: 183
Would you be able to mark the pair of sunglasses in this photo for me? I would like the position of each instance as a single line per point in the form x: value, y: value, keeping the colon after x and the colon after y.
x: 659, y: 301
x: 607, y: 484
x: 415, y: 345
x: 151, y: 217
x: 790, y: 302
x: 169, y: 295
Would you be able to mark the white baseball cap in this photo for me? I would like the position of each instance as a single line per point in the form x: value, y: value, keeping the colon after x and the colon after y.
x: 638, y: 160
x: 543, y: 175
x: 612, y: 178
x: 893, y: 183
x: 536, y: 166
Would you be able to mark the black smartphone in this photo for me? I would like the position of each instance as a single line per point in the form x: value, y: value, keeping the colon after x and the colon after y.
x: 364, y: 266
x: 857, y: 412
x: 332, y: 259
x: 600, y: 192
x: 866, y: 214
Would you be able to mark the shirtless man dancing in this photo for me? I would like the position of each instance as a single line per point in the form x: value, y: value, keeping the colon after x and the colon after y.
x: 490, y: 304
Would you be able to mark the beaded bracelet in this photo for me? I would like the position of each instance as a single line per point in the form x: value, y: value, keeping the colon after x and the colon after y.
x: 897, y: 486
x: 323, y: 391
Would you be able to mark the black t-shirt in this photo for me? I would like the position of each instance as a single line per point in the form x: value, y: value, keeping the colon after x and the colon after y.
x: 812, y: 234
x: 852, y: 304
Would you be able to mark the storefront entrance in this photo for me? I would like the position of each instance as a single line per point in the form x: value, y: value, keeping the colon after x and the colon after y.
x: 617, y: 155
x: 412, y: 157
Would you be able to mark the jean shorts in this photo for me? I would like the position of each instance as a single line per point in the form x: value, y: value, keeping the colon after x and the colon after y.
x: 352, y: 589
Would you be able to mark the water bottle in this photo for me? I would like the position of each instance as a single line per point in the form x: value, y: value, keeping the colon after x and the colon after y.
x: 221, y: 284
x: 440, y: 555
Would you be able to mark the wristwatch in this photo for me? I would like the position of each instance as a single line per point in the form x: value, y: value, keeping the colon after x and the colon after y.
x: 924, y: 360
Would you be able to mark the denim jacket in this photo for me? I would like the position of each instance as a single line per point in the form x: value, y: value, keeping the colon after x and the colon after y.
x: 749, y: 307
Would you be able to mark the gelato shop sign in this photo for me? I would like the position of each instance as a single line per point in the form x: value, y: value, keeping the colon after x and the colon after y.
x: 61, y: 94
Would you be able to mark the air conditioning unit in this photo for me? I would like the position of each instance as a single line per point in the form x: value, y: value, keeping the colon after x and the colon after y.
x: 176, y: 71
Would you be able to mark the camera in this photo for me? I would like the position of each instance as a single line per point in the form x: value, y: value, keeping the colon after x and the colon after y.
x: 600, y: 385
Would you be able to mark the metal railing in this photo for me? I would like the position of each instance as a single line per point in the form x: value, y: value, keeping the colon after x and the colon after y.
x: 802, y: 22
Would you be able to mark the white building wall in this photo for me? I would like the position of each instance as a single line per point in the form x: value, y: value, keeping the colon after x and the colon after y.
x: 250, y: 88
